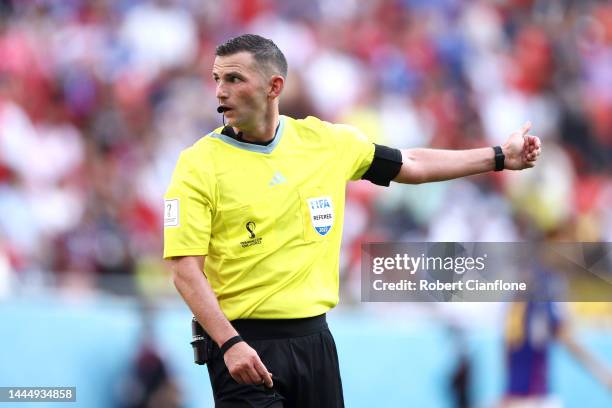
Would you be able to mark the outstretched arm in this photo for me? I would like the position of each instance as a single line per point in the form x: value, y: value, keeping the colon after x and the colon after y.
x: 521, y: 151
x: 241, y: 360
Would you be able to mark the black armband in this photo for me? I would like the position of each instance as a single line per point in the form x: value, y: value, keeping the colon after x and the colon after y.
x: 385, y: 166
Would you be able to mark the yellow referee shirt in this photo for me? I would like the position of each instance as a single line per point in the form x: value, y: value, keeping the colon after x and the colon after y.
x: 268, y: 218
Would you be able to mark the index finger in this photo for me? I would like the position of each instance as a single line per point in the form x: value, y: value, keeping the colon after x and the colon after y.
x: 264, y: 373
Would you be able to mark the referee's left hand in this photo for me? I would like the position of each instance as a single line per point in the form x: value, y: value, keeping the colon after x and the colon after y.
x: 245, y: 366
x: 522, y: 149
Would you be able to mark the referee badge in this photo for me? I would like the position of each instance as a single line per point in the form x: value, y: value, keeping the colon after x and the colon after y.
x: 321, y: 214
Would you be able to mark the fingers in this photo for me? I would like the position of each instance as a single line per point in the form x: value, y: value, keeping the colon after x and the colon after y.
x: 523, y: 148
x: 535, y: 146
x: 532, y: 150
x: 531, y: 156
x: 246, y: 375
x: 251, y: 376
x: 532, y: 153
x: 240, y: 377
x: 533, y: 142
x: 266, y: 376
x: 245, y: 366
x: 238, y: 374
x: 256, y: 375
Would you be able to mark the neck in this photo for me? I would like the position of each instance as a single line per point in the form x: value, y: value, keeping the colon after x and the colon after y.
x: 262, y: 132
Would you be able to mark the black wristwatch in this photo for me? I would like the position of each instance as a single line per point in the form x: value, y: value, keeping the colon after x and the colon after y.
x: 229, y: 343
x: 499, y: 158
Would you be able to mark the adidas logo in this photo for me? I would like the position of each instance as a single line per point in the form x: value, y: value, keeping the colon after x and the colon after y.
x: 277, y: 179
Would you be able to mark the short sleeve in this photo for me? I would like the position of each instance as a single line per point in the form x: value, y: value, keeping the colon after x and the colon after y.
x: 354, y: 150
x: 188, y: 211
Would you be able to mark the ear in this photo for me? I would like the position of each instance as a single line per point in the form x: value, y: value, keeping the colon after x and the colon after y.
x: 276, y: 85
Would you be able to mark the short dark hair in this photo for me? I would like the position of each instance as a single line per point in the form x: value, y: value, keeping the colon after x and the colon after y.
x: 263, y: 50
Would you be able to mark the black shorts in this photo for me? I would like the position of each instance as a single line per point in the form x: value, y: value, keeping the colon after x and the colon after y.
x: 300, y: 354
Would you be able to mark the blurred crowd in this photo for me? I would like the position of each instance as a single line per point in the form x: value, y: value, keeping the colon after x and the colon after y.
x: 98, y: 97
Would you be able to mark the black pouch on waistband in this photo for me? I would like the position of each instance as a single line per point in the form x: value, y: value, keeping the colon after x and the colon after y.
x: 201, y: 343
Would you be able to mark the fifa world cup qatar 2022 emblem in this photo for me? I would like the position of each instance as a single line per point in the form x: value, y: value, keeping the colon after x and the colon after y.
x: 253, y: 238
x: 250, y: 227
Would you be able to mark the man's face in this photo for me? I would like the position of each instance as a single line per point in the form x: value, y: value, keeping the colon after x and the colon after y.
x: 242, y: 88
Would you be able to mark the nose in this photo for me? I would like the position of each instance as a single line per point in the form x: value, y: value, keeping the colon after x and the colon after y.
x: 221, y: 92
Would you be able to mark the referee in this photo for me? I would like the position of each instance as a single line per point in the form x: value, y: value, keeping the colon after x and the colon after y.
x: 253, y: 222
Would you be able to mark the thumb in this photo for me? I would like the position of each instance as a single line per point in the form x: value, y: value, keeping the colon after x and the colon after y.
x: 525, y: 128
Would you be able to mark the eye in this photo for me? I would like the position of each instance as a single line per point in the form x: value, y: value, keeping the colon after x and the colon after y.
x: 216, y: 79
x: 234, y: 79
